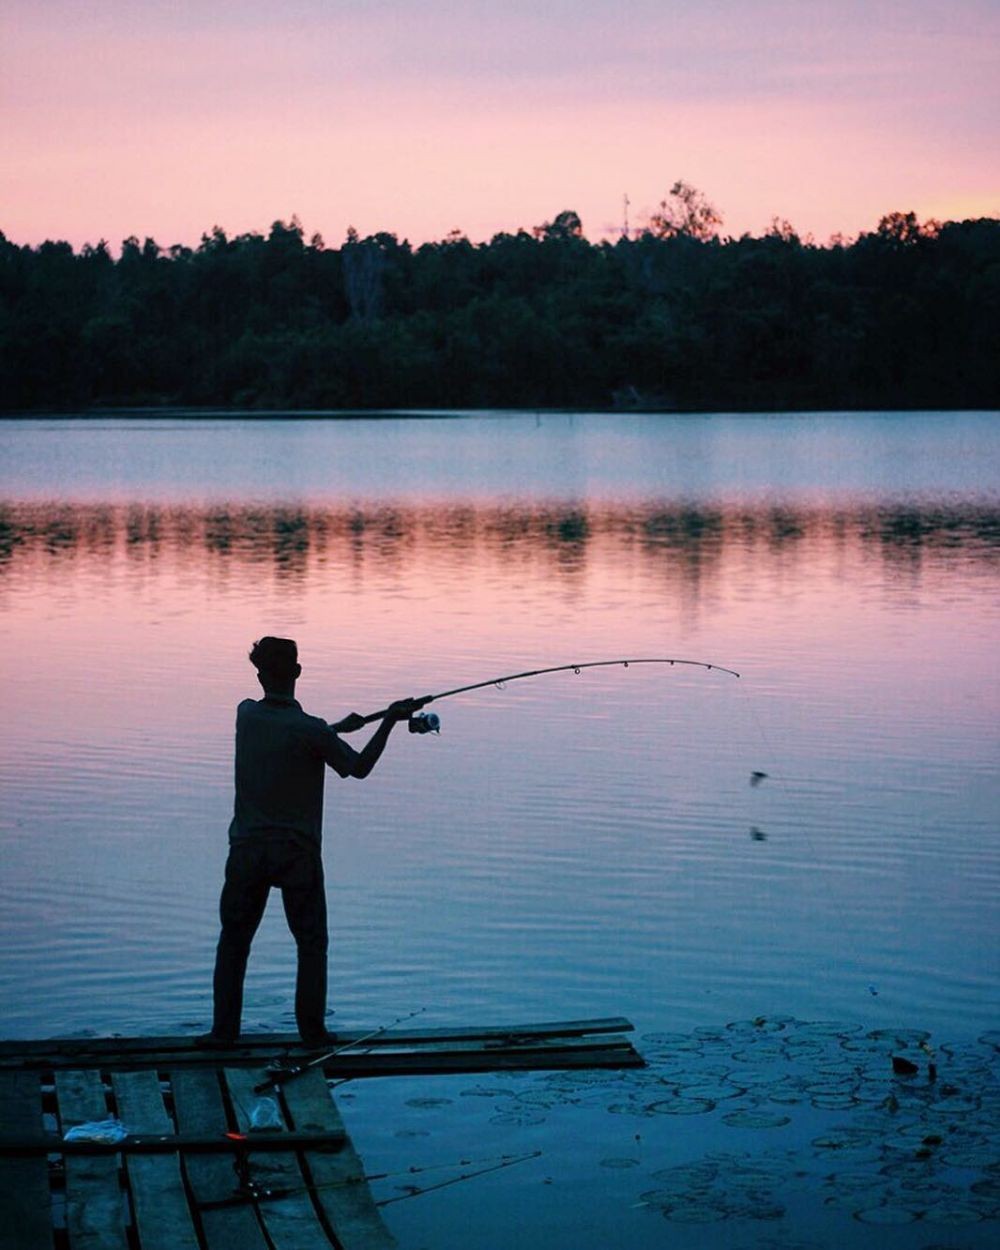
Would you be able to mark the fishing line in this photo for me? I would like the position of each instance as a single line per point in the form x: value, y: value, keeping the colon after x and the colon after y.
x: 465, y: 1176
x: 772, y: 761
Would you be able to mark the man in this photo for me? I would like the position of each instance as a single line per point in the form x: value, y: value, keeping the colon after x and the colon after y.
x: 276, y: 831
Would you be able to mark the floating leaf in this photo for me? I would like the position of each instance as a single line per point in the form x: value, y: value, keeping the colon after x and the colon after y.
x: 886, y: 1213
x: 952, y: 1214
x: 519, y: 1118
x: 755, y: 1119
x: 900, y: 1037
x: 833, y: 1102
x: 845, y: 1139
x: 973, y: 1155
x: 627, y: 1108
x: 694, y: 1215
x: 763, y: 1052
x: 712, y: 1091
x: 681, y: 1106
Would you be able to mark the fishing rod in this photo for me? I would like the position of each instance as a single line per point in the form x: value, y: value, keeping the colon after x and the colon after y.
x: 251, y: 1191
x: 280, y: 1073
x: 429, y: 723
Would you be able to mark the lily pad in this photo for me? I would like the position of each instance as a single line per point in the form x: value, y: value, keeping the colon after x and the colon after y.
x: 955, y: 1214
x: 969, y: 1155
x: 681, y: 1106
x: 833, y: 1102
x: 667, y: 1039
x: 846, y: 1140
x: 900, y: 1037
x: 519, y: 1118
x: 755, y: 1119
x: 886, y: 1213
x: 712, y: 1091
x: 764, y: 1052
x: 825, y: 1030
x: 691, y: 1214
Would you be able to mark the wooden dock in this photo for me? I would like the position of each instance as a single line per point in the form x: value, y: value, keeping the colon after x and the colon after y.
x: 191, y: 1174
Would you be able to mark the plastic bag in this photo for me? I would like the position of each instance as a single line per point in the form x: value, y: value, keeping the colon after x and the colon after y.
x: 265, y: 1117
x: 106, y: 1132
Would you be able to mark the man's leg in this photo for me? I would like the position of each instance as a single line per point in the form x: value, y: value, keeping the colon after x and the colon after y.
x: 244, y: 896
x: 303, y: 894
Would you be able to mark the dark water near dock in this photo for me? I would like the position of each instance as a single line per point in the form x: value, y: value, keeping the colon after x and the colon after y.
x: 568, y: 847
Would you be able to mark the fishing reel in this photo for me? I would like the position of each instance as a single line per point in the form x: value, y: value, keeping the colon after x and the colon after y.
x: 424, y: 723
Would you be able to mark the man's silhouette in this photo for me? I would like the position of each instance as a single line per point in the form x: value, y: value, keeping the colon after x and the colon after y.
x: 276, y: 833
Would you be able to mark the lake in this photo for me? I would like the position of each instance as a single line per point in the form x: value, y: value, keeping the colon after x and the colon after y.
x: 571, y: 845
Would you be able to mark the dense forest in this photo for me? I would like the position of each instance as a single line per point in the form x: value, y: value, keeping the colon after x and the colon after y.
x: 907, y: 315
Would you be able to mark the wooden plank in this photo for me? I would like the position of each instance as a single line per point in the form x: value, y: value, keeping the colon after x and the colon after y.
x: 542, y: 1057
x: 159, y: 1201
x: 77, y: 1047
x: 339, y: 1180
x: 14, y: 1145
x: 94, y: 1211
x: 473, y: 1033
x: 25, y: 1201
x: 543, y: 1053
x: 521, y: 1045
x: 428, y: 1060
x: 200, y: 1110
x: 291, y: 1221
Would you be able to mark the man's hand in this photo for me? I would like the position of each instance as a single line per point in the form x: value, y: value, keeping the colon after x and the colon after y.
x: 351, y: 722
x: 403, y: 709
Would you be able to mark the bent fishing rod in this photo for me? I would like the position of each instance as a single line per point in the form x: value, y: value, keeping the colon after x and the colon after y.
x: 429, y: 722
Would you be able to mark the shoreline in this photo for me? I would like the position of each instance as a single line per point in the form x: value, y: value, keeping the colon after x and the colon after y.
x: 224, y: 413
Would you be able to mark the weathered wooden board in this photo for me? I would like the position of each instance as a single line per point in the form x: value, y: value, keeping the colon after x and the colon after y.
x: 541, y: 1056
x: 200, y: 1110
x: 83, y: 1048
x: 609, y: 1051
x: 94, y: 1212
x: 291, y: 1221
x: 192, y: 1187
x: 159, y: 1202
x: 15, y: 1145
x: 339, y: 1180
x: 25, y: 1201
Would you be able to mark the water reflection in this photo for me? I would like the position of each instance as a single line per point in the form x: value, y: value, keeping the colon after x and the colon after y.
x: 865, y: 630
x: 685, y: 543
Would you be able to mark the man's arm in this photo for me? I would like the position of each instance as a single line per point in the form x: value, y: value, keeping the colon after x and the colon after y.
x: 351, y: 763
x: 369, y: 756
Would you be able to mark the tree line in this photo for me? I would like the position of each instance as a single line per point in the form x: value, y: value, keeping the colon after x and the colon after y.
x: 906, y: 315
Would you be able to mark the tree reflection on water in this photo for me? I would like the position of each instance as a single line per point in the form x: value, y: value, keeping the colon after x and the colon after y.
x: 685, y: 543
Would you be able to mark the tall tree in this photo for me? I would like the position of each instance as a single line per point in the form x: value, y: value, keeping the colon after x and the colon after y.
x: 686, y: 213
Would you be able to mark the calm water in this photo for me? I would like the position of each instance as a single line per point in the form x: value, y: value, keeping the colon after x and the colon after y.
x: 575, y: 845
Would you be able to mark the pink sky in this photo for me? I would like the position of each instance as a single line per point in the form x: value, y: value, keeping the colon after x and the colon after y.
x: 163, y: 119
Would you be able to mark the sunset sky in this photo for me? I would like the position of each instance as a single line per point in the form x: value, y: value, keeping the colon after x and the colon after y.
x: 165, y: 117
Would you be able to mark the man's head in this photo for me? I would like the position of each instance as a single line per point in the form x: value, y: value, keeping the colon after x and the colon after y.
x: 277, y: 663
